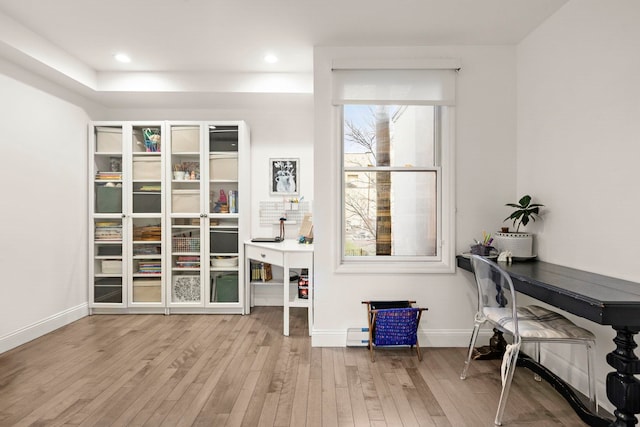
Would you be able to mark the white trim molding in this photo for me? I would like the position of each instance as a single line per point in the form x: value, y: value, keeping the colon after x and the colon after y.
x: 42, y: 327
x: 427, y: 338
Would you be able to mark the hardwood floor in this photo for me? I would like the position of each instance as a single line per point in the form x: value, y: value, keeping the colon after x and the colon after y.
x: 231, y: 370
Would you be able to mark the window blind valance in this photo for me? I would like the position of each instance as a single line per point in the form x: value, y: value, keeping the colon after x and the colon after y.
x: 394, y: 84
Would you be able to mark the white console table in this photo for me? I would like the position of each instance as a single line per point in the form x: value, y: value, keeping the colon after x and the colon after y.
x: 287, y: 254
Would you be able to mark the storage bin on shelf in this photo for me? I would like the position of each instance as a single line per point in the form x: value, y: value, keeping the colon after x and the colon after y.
x: 147, y: 290
x: 186, y: 244
x: 185, y: 201
x: 111, y: 266
x: 186, y: 288
x: 108, y: 199
x: 224, y: 240
x: 223, y: 138
x: 147, y: 168
x: 185, y: 139
x: 109, y: 139
x: 224, y: 261
x: 223, y: 166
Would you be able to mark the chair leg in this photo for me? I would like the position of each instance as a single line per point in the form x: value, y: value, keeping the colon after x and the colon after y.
x: 418, y: 351
x: 536, y: 350
x: 372, y: 323
x: 512, y: 359
x: 417, y: 343
x: 593, y: 399
x: 472, y: 343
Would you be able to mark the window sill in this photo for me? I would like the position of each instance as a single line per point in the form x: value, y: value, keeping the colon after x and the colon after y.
x: 377, y: 266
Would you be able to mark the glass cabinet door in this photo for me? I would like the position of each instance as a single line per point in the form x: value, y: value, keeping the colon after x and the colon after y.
x: 185, y: 169
x: 146, y: 260
x: 186, y: 277
x: 108, y: 261
x: 224, y: 206
x: 187, y: 216
x: 145, y: 238
x: 108, y: 214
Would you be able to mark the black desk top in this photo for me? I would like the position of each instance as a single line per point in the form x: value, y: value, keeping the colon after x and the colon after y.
x: 601, y: 299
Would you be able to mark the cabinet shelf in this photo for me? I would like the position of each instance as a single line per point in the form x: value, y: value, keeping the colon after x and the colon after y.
x: 298, y: 302
x: 224, y: 268
x: 147, y: 154
x: 224, y: 215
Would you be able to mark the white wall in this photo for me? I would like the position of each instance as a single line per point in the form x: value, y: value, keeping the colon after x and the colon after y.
x: 579, y: 141
x: 43, y: 228
x: 485, y: 180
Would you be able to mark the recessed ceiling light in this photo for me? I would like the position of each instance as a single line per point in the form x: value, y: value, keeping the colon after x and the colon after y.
x: 122, y: 57
x: 270, y: 58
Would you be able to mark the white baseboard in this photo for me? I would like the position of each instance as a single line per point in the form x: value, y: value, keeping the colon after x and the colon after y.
x: 42, y: 327
x: 429, y: 338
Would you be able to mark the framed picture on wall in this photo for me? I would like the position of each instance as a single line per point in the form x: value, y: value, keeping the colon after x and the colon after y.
x: 285, y: 176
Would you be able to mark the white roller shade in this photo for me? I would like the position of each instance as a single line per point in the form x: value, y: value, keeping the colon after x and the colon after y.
x: 394, y: 86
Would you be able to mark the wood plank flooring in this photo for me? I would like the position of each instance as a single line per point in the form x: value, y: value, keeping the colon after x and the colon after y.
x: 231, y: 370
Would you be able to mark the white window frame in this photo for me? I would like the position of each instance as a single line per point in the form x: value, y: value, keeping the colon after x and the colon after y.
x: 444, y: 262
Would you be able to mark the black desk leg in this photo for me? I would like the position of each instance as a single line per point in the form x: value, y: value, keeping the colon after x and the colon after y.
x: 623, y: 389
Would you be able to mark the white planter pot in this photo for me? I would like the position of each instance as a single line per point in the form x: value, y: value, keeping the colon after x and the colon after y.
x: 519, y: 244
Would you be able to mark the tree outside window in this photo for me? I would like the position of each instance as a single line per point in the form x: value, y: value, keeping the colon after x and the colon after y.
x: 391, y: 178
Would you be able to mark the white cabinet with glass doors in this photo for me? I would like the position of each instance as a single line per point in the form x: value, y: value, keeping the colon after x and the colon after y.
x: 208, y: 215
x: 169, y: 205
x: 126, y: 268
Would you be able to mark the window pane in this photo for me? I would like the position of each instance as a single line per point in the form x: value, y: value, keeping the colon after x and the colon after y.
x: 385, y: 135
x: 390, y: 213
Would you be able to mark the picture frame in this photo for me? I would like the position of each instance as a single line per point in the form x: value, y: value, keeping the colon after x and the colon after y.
x: 285, y: 176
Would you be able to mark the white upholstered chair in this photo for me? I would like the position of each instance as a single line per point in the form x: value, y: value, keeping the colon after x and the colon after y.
x: 497, y: 305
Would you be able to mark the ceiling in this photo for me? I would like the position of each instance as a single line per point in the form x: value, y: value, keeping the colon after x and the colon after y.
x: 217, y: 46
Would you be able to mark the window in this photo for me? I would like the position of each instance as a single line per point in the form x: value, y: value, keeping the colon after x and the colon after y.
x: 397, y: 172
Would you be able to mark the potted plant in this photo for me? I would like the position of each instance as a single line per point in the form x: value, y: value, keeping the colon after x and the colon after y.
x: 520, y: 244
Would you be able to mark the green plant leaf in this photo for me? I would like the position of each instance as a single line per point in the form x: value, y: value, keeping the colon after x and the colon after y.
x: 525, y: 211
x: 524, y: 201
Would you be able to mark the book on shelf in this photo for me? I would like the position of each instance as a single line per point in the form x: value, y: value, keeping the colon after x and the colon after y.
x: 265, y: 272
x: 261, y: 272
